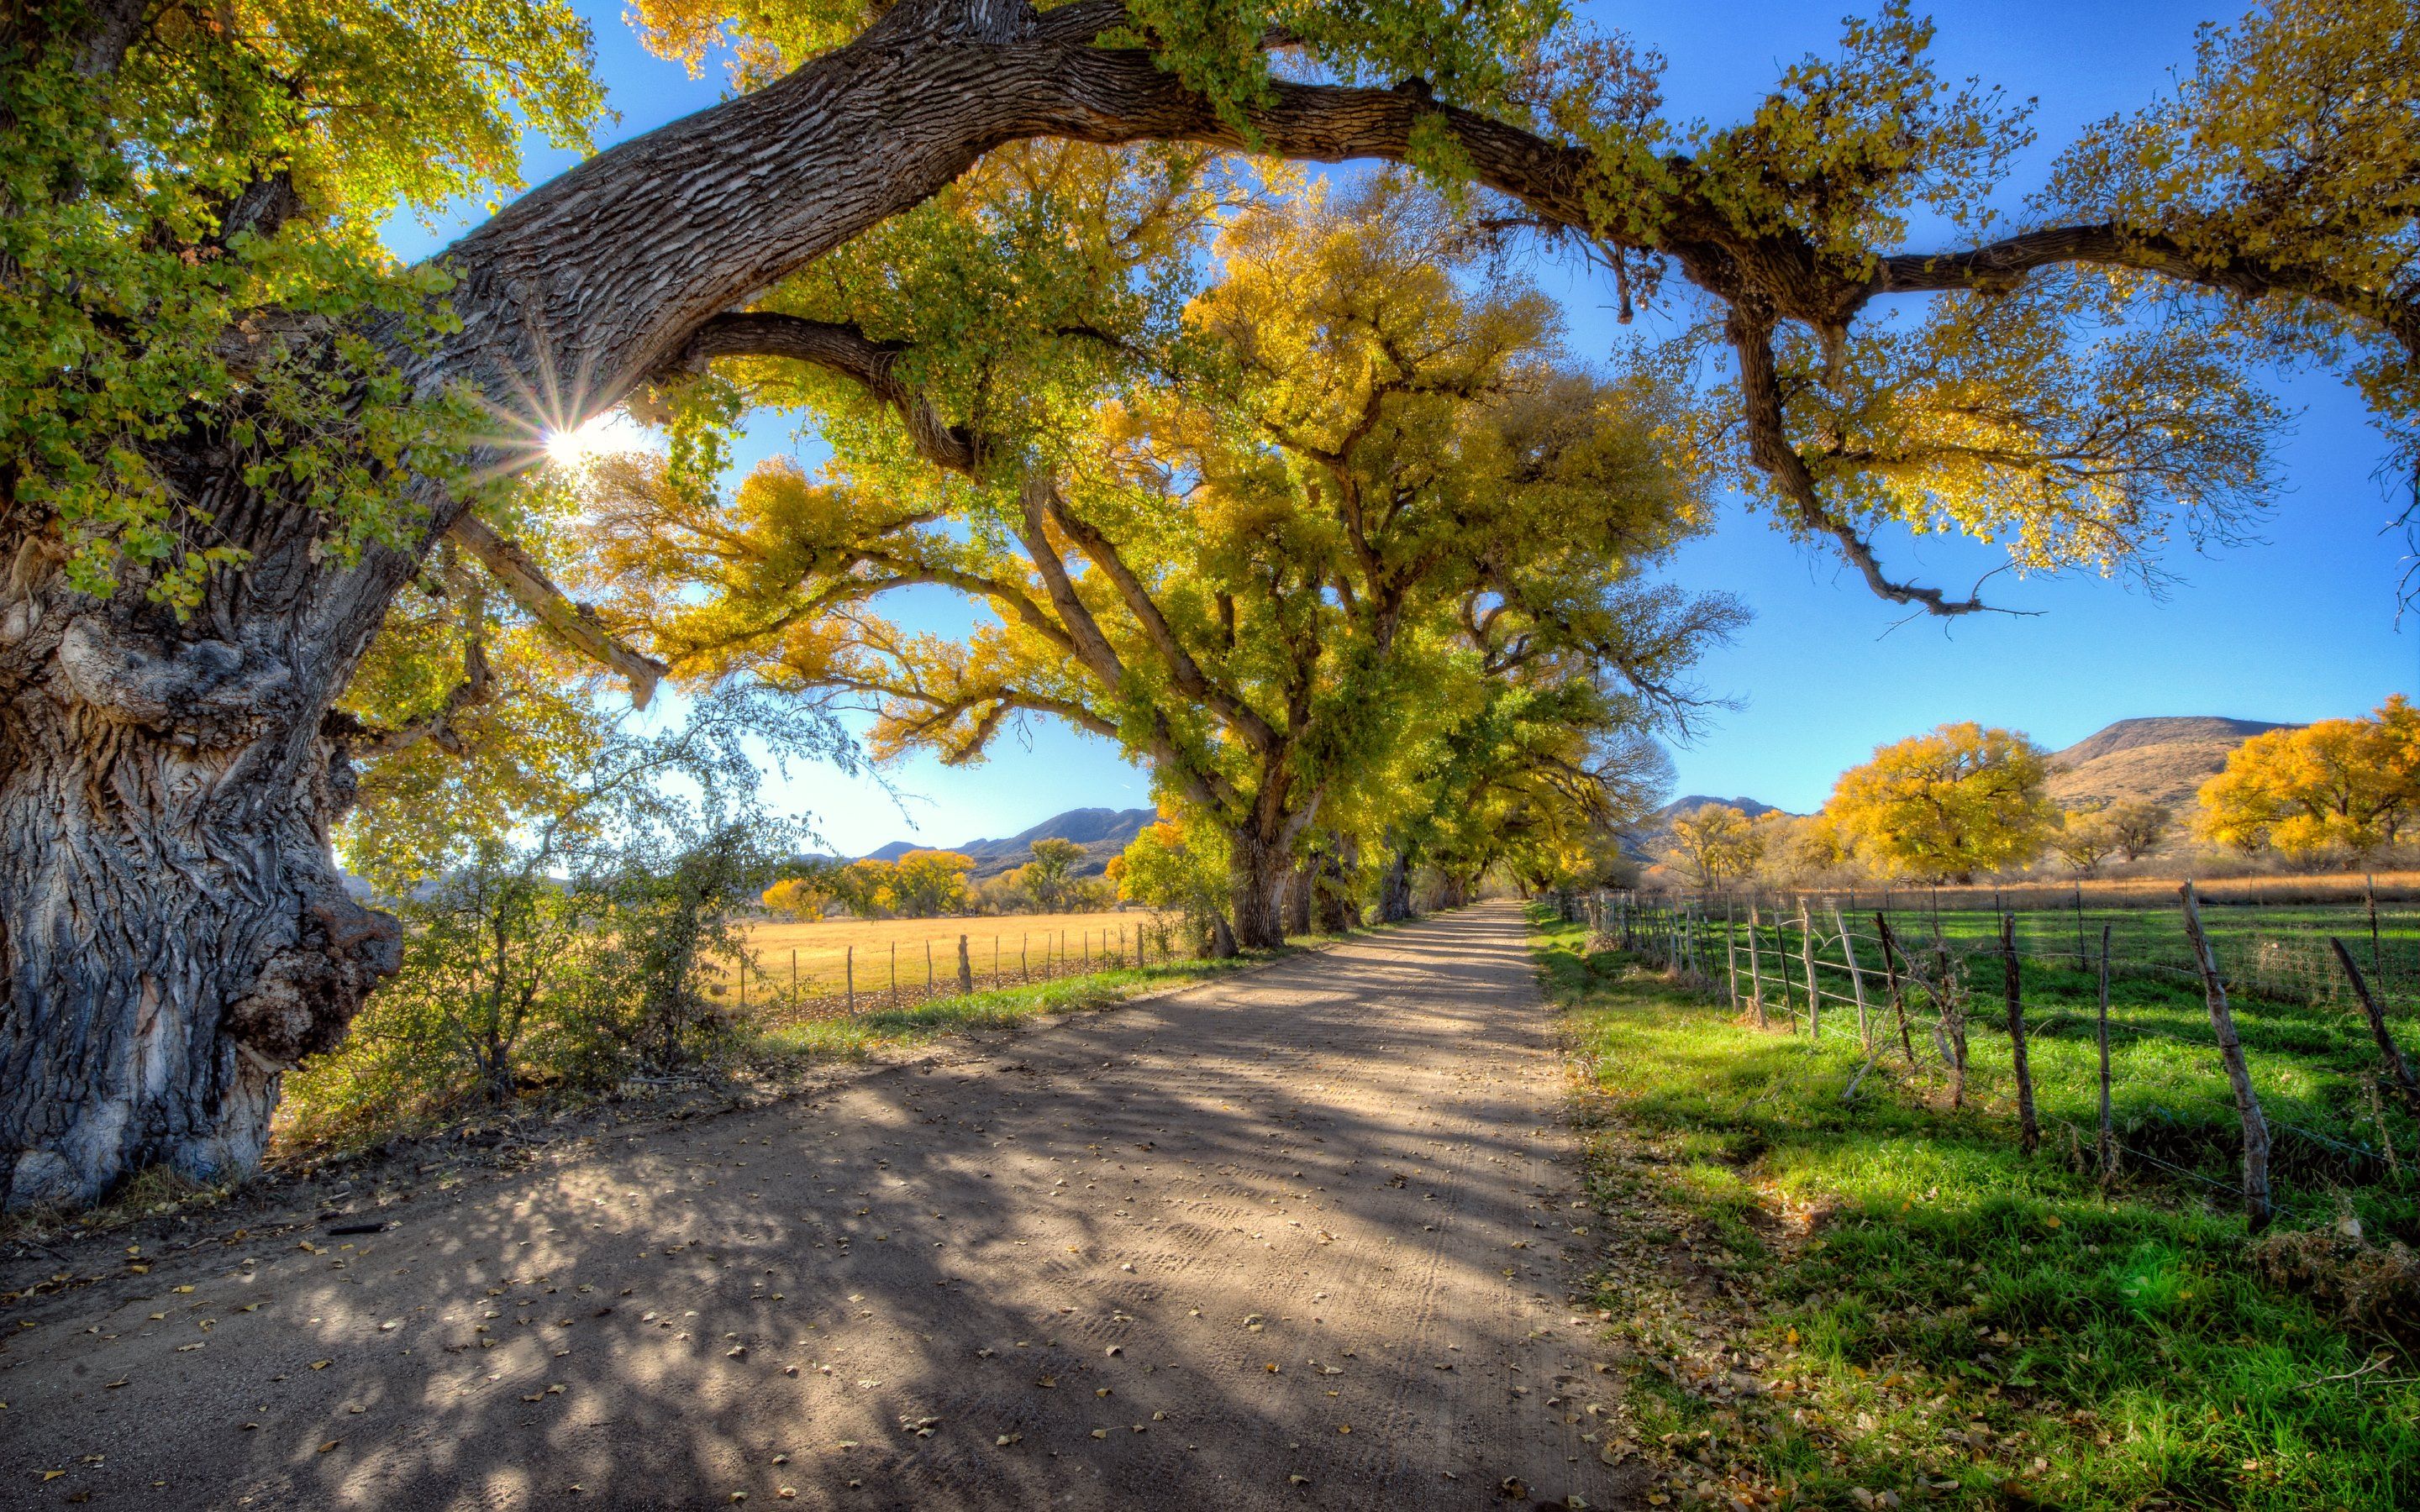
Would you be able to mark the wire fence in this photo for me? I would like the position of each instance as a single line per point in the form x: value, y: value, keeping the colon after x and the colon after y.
x: 1908, y: 979
x: 771, y: 991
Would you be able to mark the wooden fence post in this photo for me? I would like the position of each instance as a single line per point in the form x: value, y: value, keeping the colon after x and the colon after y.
x: 1755, y: 969
x: 793, y: 972
x: 1814, y: 988
x: 894, y: 973
x: 2238, y: 1077
x: 2389, y: 1052
x: 1781, y: 949
x: 1024, y: 967
x: 1856, y: 979
x: 2370, y: 901
x: 848, y: 978
x: 928, y: 963
x: 1730, y: 953
x: 2028, y: 1127
x: 965, y: 967
x: 2107, y: 1140
x: 1890, y: 975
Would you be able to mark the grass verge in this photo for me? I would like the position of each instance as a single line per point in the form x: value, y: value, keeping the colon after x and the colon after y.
x: 1876, y: 1302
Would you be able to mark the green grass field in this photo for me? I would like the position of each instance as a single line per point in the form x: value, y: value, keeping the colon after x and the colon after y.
x: 1932, y: 1313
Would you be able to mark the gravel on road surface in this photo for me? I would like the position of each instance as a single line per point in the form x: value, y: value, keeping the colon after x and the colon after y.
x: 1302, y: 1237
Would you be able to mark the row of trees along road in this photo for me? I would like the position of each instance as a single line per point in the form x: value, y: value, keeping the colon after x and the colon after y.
x: 245, y: 454
x: 1279, y: 537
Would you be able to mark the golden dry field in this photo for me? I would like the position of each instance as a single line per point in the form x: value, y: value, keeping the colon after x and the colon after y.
x: 994, y: 943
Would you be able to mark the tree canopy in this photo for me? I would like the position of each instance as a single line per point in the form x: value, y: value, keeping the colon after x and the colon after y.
x: 236, y: 439
x: 1946, y: 805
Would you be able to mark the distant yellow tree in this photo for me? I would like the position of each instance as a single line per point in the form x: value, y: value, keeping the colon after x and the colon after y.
x: 2084, y: 837
x: 803, y: 897
x: 1714, y: 844
x: 868, y: 888
x: 1947, y: 804
x: 926, y: 883
x: 1799, y: 849
x: 1050, y: 876
x: 2340, y: 786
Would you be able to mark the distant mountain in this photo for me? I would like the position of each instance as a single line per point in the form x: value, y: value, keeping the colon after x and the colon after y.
x: 1649, y: 839
x: 2149, y: 761
x: 1698, y: 800
x: 1102, y: 832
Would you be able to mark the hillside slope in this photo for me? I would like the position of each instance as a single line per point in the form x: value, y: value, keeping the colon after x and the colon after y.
x: 1102, y: 832
x: 2150, y: 760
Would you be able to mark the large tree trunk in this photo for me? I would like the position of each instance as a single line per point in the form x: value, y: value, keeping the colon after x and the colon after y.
x: 1256, y: 878
x: 173, y: 930
x: 1395, y: 885
x: 1338, y: 911
x: 1298, y: 893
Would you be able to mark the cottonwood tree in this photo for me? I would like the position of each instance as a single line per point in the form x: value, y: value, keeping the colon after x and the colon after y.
x: 1714, y: 842
x: 233, y: 432
x: 1252, y: 562
x: 1956, y: 800
x: 2337, y: 787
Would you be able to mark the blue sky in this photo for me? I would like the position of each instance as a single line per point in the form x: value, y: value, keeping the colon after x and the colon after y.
x: 2299, y: 626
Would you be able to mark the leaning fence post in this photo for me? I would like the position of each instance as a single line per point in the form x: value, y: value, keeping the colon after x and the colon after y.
x: 1856, y: 979
x: 965, y: 967
x: 1890, y: 974
x: 2230, y: 1054
x: 2109, y: 1138
x: 2388, y: 1051
x: 2029, y: 1128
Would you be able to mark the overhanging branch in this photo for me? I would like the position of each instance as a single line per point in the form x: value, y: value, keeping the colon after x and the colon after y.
x: 576, y: 625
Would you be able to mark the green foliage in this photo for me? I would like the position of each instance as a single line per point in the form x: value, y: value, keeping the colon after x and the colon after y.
x: 194, y: 263
x: 1177, y: 868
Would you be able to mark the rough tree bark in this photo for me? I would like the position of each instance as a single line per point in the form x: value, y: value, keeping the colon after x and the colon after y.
x: 1395, y: 885
x: 1299, y: 891
x: 1338, y: 860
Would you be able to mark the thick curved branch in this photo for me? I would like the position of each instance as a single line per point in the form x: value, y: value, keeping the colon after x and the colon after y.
x: 1769, y: 448
x: 576, y: 623
x: 1183, y: 672
x: 2003, y: 264
x: 842, y: 349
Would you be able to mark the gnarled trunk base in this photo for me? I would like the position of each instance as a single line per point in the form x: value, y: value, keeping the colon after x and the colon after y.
x: 173, y: 935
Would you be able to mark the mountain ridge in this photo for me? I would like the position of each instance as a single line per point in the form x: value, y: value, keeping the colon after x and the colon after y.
x: 2162, y: 759
x: 1102, y: 832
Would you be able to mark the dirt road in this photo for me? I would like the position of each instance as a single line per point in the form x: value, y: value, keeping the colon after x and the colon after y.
x: 1301, y: 1238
